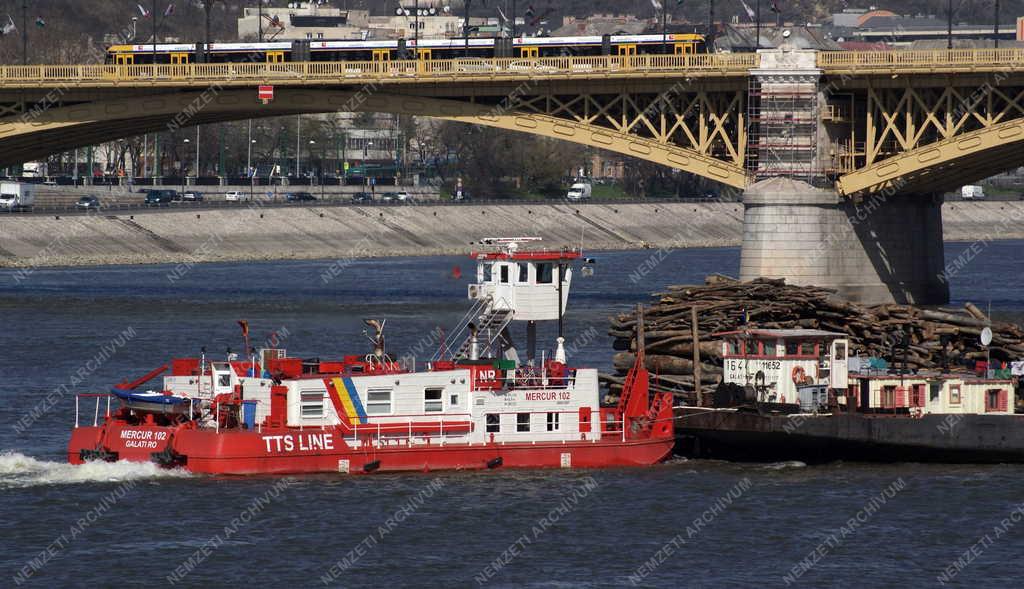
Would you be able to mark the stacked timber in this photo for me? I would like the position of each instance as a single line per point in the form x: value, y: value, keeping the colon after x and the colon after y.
x: 902, y: 335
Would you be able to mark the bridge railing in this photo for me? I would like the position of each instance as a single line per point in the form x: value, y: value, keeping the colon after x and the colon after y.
x: 411, y: 70
x: 916, y: 60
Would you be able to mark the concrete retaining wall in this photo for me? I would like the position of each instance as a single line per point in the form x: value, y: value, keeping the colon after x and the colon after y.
x: 352, y: 231
x: 345, y: 232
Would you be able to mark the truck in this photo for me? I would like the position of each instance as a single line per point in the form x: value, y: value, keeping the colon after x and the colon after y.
x: 33, y: 170
x: 16, y: 196
x: 972, y: 192
x: 580, y: 191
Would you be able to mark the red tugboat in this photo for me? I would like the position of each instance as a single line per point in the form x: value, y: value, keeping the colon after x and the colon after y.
x: 477, y: 405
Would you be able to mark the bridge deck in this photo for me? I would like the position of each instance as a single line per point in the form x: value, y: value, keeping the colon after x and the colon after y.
x: 377, y: 72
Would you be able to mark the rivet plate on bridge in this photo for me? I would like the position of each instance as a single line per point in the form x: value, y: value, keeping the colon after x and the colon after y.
x: 525, y: 122
x: 413, y: 105
x: 678, y: 158
x: 639, y: 148
x: 931, y: 154
x: 968, y: 144
x: 1010, y: 132
x: 888, y: 170
x: 564, y: 130
x: 602, y: 139
x: 451, y: 109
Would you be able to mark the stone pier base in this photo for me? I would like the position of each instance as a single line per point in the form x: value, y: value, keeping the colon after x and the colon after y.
x: 884, y: 249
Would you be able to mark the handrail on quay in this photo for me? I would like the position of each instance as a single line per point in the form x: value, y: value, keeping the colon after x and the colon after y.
x: 300, y: 72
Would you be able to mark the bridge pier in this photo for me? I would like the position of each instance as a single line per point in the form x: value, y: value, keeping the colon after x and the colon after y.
x: 884, y: 248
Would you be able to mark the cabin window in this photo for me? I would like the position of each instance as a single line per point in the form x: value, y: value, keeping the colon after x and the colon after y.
x: 453, y: 400
x: 493, y: 423
x: 917, y: 395
x: 954, y: 394
x: 524, y: 273
x: 312, y: 404
x: 934, y: 392
x: 888, y: 397
x: 545, y: 274
x: 769, y: 349
x: 378, y: 401
x: 224, y: 380
x: 734, y: 347
x: 992, y: 400
x: 488, y: 272
x: 553, y: 424
x: 751, y: 348
x: 504, y: 273
x: 522, y: 422
x: 433, y: 400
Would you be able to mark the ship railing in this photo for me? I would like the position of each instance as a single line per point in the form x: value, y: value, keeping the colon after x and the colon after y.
x: 405, y: 428
x: 477, y: 309
x: 96, y: 413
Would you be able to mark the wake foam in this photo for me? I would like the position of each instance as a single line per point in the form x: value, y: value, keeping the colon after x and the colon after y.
x: 18, y: 471
x: 784, y: 465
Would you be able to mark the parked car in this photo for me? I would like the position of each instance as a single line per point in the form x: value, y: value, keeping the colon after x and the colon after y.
x: 404, y: 197
x: 362, y: 197
x: 88, y: 202
x: 299, y: 197
x: 156, y: 198
x: 389, y: 197
x: 237, y: 196
x: 192, y: 196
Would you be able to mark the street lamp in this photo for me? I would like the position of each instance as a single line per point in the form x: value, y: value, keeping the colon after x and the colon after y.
x: 184, y: 170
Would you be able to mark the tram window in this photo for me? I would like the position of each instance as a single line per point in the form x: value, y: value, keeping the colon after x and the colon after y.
x: 522, y: 422
x: 504, y: 273
x: 545, y: 274
x: 493, y: 423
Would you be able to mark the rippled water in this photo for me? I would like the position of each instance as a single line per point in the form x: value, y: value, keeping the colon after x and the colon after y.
x: 684, y: 523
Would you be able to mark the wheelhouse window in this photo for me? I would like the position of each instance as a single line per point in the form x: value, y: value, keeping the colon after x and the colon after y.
x: 522, y: 422
x: 545, y: 274
x: 433, y: 399
x: 524, y: 273
x: 493, y: 423
x: 504, y: 273
x: 378, y: 402
x: 553, y: 423
x: 311, y: 404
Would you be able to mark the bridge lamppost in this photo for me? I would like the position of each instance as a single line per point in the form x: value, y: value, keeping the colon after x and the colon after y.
x: 995, y: 25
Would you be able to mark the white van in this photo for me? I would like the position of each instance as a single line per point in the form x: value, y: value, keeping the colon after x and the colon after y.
x: 580, y: 191
x: 972, y: 192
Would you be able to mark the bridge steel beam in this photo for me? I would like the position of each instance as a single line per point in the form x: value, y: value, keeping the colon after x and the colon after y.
x: 699, y: 132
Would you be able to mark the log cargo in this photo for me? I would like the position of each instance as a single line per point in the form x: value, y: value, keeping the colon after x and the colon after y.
x: 921, y: 339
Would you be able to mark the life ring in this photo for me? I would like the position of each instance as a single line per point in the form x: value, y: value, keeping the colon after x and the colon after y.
x: 798, y: 375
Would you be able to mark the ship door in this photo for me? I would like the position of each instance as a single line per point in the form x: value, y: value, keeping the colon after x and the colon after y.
x: 837, y: 376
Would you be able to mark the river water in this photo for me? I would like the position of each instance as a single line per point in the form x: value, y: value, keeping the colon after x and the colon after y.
x: 679, y: 524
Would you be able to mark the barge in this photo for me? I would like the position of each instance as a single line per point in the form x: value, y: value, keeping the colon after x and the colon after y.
x: 796, y: 394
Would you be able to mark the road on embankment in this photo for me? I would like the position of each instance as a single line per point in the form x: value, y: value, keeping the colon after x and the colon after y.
x: 252, y: 232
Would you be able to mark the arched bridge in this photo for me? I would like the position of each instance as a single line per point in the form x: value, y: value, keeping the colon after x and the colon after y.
x: 811, y: 136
